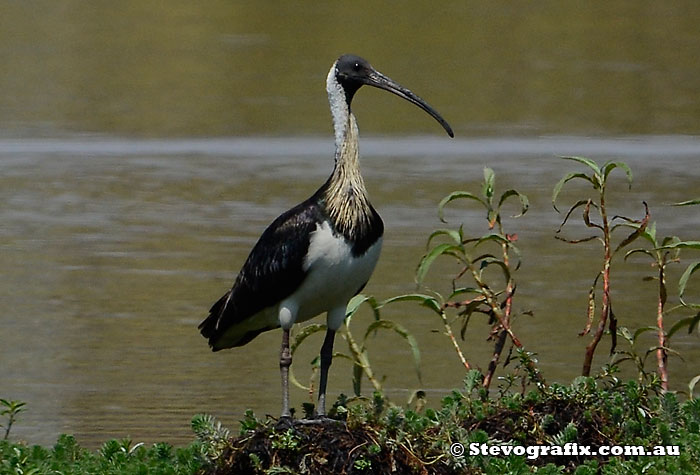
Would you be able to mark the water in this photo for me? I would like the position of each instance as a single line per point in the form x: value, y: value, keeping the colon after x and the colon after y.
x: 142, y: 152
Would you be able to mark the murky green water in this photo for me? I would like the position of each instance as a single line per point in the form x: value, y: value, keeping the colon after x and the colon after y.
x: 143, y: 148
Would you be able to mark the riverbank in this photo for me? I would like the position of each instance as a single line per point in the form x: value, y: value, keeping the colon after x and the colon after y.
x: 592, y: 426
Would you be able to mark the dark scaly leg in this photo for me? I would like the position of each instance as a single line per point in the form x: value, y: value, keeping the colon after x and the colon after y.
x: 326, y: 360
x: 285, y: 363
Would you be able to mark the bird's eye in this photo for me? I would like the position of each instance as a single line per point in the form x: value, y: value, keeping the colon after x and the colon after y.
x: 356, y: 66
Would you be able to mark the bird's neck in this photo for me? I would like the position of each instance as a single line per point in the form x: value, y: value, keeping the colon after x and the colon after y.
x: 345, y: 194
x: 340, y: 109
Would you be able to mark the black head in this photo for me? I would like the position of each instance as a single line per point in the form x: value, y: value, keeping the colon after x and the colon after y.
x: 352, y: 72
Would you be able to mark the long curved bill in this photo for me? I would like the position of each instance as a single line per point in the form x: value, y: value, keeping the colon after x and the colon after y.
x: 377, y: 79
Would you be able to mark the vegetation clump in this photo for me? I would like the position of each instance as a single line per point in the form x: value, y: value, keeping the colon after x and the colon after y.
x: 378, y: 437
x: 116, y: 457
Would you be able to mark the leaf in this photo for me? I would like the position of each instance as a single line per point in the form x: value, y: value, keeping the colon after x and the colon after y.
x: 610, y: 166
x: 487, y: 261
x: 357, y: 372
x: 467, y: 312
x: 636, y: 233
x: 650, y: 234
x: 456, y: 236
x: 566, y: 179
x: 691, y: 385
x: 590, y: 314
x: 465, y: 323
x: 628, y: 222
x: 663, y: 291
x: 493, y: 217
x: 405, y: 334
x: 641, y: 330
x: 464, y: 290
x: 586, y: 217
x: 586, y: 161
x: 678, y: 325
x: 493, y: 237
x: 293, y: 379
x: 694, y: 323
x: 690, y: 322
x: 315, y: 364
x: 627, y: 335
x: 425, y: 300
x: 430, y: 257
x: 355, y: 304
x: 338, y: 354
x: 456, y: 195
x: 682, y: 245
x: 571, y: 210
x: 524, y: 202
x: 305, y: 332
x: 684, y: 281
x: 666, y: 349
x: 489, y: 184
x: 688, y: 203
x: 576, y: 241
x: 612, y: 326
x: 643, y: 251
x: 669, y: 240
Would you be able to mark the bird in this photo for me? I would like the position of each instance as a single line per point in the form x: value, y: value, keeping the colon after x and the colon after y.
x: 319, y: 254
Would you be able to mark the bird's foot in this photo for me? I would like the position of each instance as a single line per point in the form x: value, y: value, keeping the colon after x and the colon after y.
x: 319, y: 420
x: 285, y: 423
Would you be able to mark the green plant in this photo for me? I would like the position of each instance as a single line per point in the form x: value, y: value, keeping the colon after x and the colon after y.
x: 358, y: 349
x: 287, y: 440
x: 662, y: 253
x: 11, y: 409
x: 603, y: 231
x: 485, y: 294
x: 116, y: 457
x: 362, y: 464
x: 213, y: 437
x: 691, y: 322
x: 638, y: 357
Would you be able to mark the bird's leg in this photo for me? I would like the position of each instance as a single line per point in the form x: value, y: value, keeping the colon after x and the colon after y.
x: 326, y: 360
x: 285, y: 363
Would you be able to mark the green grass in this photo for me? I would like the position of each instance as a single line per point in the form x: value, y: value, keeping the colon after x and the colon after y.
x: 115, y: 457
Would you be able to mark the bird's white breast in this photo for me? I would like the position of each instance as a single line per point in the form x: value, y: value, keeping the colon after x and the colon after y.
x: 334, y: 275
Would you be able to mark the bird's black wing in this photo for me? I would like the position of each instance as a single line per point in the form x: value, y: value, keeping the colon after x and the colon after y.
x: 272, y: 272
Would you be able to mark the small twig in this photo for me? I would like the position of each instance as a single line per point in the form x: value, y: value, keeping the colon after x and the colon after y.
x: 498, y: 348
x: 361, y: 360
x: 448, y: 330
x: 661, y: 355
x: 463, y: 303
x: 314, y: 422
x: 605, y: 310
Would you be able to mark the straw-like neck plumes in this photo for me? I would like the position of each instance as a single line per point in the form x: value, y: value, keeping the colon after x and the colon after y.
x: 344, y: 194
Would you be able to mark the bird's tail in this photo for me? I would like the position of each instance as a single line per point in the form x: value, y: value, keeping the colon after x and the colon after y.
x: 208, y: 328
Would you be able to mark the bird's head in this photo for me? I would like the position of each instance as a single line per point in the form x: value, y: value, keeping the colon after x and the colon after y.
x: 352, y: 72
